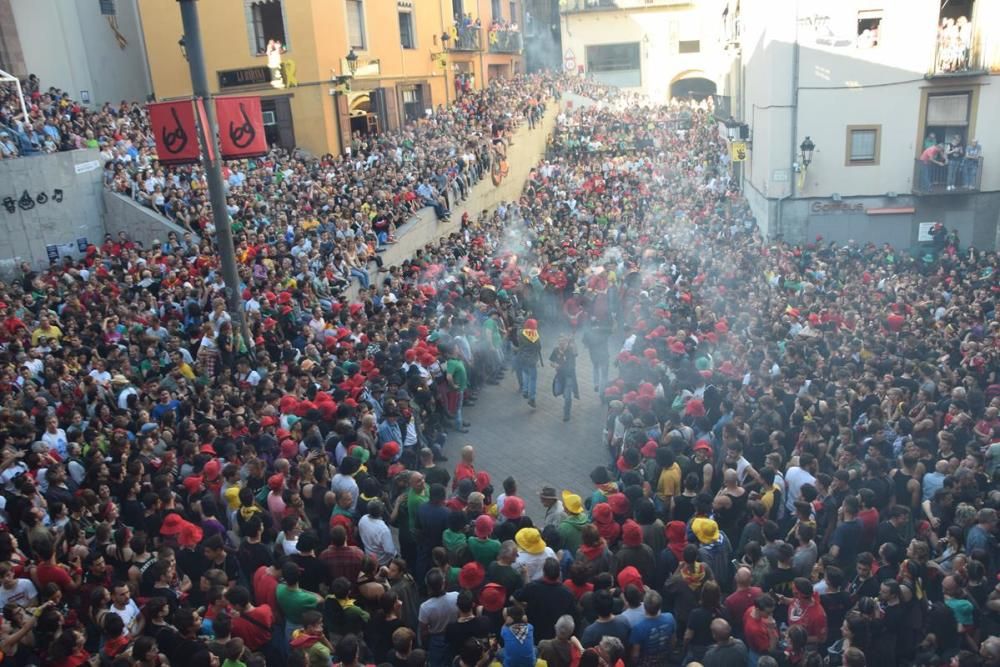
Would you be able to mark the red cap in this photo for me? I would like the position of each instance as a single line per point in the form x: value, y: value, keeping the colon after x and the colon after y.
x: 694, y: 408
x: 389, y: 451
x: 268, y: 421
x: 289, y: 449
x: 276, y: 481
x: 703, y: 445
x: 630, y: 575
x: 513, y: 507
x: 172, y: 524
x: 649, y: 449
x: 471, y: 575
x: 619, y: 504
x: 493, y: 597
x: 193, y: 484
x: 631, y: 533
x: 602, y: 513
x: 484, y: 526
x: 208, y: 449
x: 211, y: 470
x: 482, y: 480
x: 190, y: 535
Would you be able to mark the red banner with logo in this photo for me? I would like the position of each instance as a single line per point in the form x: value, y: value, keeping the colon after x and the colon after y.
x: 241, y: 127
x: 175, y: 131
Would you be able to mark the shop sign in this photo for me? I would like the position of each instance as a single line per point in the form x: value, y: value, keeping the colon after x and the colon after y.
x: 830, y: 207
x: 248, y: 76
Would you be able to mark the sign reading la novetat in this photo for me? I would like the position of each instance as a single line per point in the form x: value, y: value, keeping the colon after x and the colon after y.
x: 831, y: 207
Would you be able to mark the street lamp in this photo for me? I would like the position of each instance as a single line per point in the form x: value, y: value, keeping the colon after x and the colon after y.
x: 352, y: 62
x: 807, y: 146
x: 181, y: 43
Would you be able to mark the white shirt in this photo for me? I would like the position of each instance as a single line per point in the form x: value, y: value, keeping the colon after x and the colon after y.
x: 56, y: 441
x: 129, y: 615
x: 533, y: 563
x: 377, y: 539
x: 22, y: 593
x: 123, y: 397
x: 795, y: 477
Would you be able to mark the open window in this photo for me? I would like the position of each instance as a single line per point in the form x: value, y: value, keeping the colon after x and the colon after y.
x: 947, y: 117
x: 955, y: 41
x: 407, y: 38
x: 268, y: 23
x: 869, y: 27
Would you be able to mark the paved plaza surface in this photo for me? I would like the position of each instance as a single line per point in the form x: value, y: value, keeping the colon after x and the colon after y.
x: 536, y: 446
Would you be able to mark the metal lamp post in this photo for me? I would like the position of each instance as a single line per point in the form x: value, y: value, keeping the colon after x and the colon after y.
x: 212, y: 163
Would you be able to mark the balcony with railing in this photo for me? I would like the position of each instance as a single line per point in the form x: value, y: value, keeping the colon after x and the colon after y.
x: 465, y: 39
x: 960, y: 176
x: 957, y: 52
x: 574, y: 6
x: 506, y: 41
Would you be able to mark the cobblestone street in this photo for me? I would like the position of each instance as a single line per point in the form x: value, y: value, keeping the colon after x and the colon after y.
x: 536, y: 446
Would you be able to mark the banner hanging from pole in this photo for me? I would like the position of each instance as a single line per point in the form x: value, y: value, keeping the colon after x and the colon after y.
x: 175, y: 132
x: 241, y: 127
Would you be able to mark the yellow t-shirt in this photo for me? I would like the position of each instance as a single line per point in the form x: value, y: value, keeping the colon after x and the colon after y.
x: 669, y: 483
x: 52, y: 333
x: 767, y: 498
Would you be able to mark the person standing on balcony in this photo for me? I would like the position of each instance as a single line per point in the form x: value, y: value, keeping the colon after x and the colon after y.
x: 970, y: 164
x: 954, y: 152
x: 931, y: 157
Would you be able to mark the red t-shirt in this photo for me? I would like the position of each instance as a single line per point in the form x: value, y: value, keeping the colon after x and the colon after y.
x: 46, y: 572
x: 809, y: 615
x: 253, y: 633
x: 756, y: 633
x: 740, y: 601
x: 265, y: 588
x: 869, y: 526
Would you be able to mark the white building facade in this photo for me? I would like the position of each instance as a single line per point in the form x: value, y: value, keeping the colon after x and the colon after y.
x: 660, y: 48
x: 870, y: 83
x: 75, y: 46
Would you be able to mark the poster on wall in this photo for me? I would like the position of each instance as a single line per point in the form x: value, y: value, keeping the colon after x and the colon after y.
x: 175, y: 132
x: 241, y: 127
x: 924, y: 232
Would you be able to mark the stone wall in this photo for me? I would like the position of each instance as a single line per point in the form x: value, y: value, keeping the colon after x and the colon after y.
x: 423, y: 228
x: 522, y: 156
x: 57, y: 205
x: 138, y: 222
x: 41, y: 224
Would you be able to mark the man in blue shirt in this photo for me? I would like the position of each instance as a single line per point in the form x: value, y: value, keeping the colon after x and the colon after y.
x: 652, y: 638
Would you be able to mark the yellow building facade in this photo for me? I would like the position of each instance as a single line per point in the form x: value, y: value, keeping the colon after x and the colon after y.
x: 310, y: 96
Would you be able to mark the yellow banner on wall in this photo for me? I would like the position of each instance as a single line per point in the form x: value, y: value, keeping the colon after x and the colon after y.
x: 738, y: 151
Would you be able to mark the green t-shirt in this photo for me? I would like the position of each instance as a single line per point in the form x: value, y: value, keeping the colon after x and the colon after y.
x: 413, y: 503
x: 456, y: 369
x: 294, y: 601
x: 484, y: 551
x: 492, y: 329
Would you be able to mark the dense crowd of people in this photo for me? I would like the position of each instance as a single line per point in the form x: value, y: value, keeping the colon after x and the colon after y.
x: 802, y: 441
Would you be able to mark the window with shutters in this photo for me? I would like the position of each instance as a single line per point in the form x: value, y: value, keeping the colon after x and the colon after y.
x: 947, y: 116
x: 267, y: 22
x: 356, y: 24
x: 615, y: 64
x: 863, y: 145
x: 406, y: 38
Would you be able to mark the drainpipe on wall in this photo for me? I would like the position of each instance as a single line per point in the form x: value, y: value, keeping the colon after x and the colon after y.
x: 778, y: 231
x: 795, y: 99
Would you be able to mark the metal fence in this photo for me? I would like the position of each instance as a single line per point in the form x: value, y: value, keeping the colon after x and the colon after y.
x: 955, y: 177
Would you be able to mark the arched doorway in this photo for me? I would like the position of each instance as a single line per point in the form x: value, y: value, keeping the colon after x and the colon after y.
x: 363, y: 119
x: 692, y: 87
